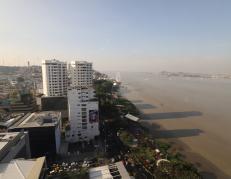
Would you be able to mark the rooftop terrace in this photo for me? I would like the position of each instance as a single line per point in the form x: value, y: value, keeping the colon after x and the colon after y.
x: 39, y: 119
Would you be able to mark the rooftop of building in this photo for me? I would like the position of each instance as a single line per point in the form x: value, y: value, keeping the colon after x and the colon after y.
x: 7, y: 119
x: 22, y: 169
x: 39, y: 119
x: 80, y: 62
x: 53, y: 61
x: 116, y: 170
x: 7, y: 137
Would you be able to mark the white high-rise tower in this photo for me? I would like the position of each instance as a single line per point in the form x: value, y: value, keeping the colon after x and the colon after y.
x: 81, y: 73
x: 54, y: 74
x: 82, y: 104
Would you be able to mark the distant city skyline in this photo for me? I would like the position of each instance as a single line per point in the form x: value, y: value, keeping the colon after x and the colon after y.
x: 130, y: 35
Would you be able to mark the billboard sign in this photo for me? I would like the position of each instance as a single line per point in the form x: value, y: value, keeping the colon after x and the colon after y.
x: 93, y: 116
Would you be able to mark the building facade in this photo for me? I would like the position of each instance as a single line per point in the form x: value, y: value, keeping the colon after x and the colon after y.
x: 82, y: 105
x: 81, y: 73
x: 54, y: 75
x: 83, y: 115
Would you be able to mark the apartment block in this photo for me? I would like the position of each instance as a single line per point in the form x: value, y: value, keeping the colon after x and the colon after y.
x: 81, y: 73
x: 83, y: 115
x: 82, y: 104
x: 54, y: 74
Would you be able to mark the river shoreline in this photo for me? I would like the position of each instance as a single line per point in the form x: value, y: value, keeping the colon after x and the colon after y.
x: 149, y: 106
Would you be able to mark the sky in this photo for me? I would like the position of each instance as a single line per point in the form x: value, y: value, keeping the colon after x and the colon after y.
x: 119, y: 35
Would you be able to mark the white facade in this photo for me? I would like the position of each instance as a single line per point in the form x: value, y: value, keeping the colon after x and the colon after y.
x: 83, y: 114
x: 82, y: 104
x: 54, y: 75
x: 81, y: 73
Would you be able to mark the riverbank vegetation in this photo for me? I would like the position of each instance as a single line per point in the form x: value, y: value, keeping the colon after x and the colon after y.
x: 140, y: 147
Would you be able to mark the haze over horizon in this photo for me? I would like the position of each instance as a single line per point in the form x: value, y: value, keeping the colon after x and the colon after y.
x: 131, y: 35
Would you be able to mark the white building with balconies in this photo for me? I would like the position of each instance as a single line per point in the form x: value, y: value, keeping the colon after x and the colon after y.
x: 54, y: 74
x: 83, y: 115
x: 82, y: 105
x: 81, y: 73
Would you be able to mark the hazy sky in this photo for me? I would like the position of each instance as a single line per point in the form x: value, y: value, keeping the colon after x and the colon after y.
x: 137, y: 35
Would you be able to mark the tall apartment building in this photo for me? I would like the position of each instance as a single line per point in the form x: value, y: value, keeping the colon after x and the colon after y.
x: 81, y: 73
x: 82, y: 104
x: 54, y: 75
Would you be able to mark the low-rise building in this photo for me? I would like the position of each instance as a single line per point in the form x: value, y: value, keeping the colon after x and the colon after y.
x: 53, y: 104
x: 112, y: 171
x: 14, y: 145
x: 23, y: 169
x: 44, y: 129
